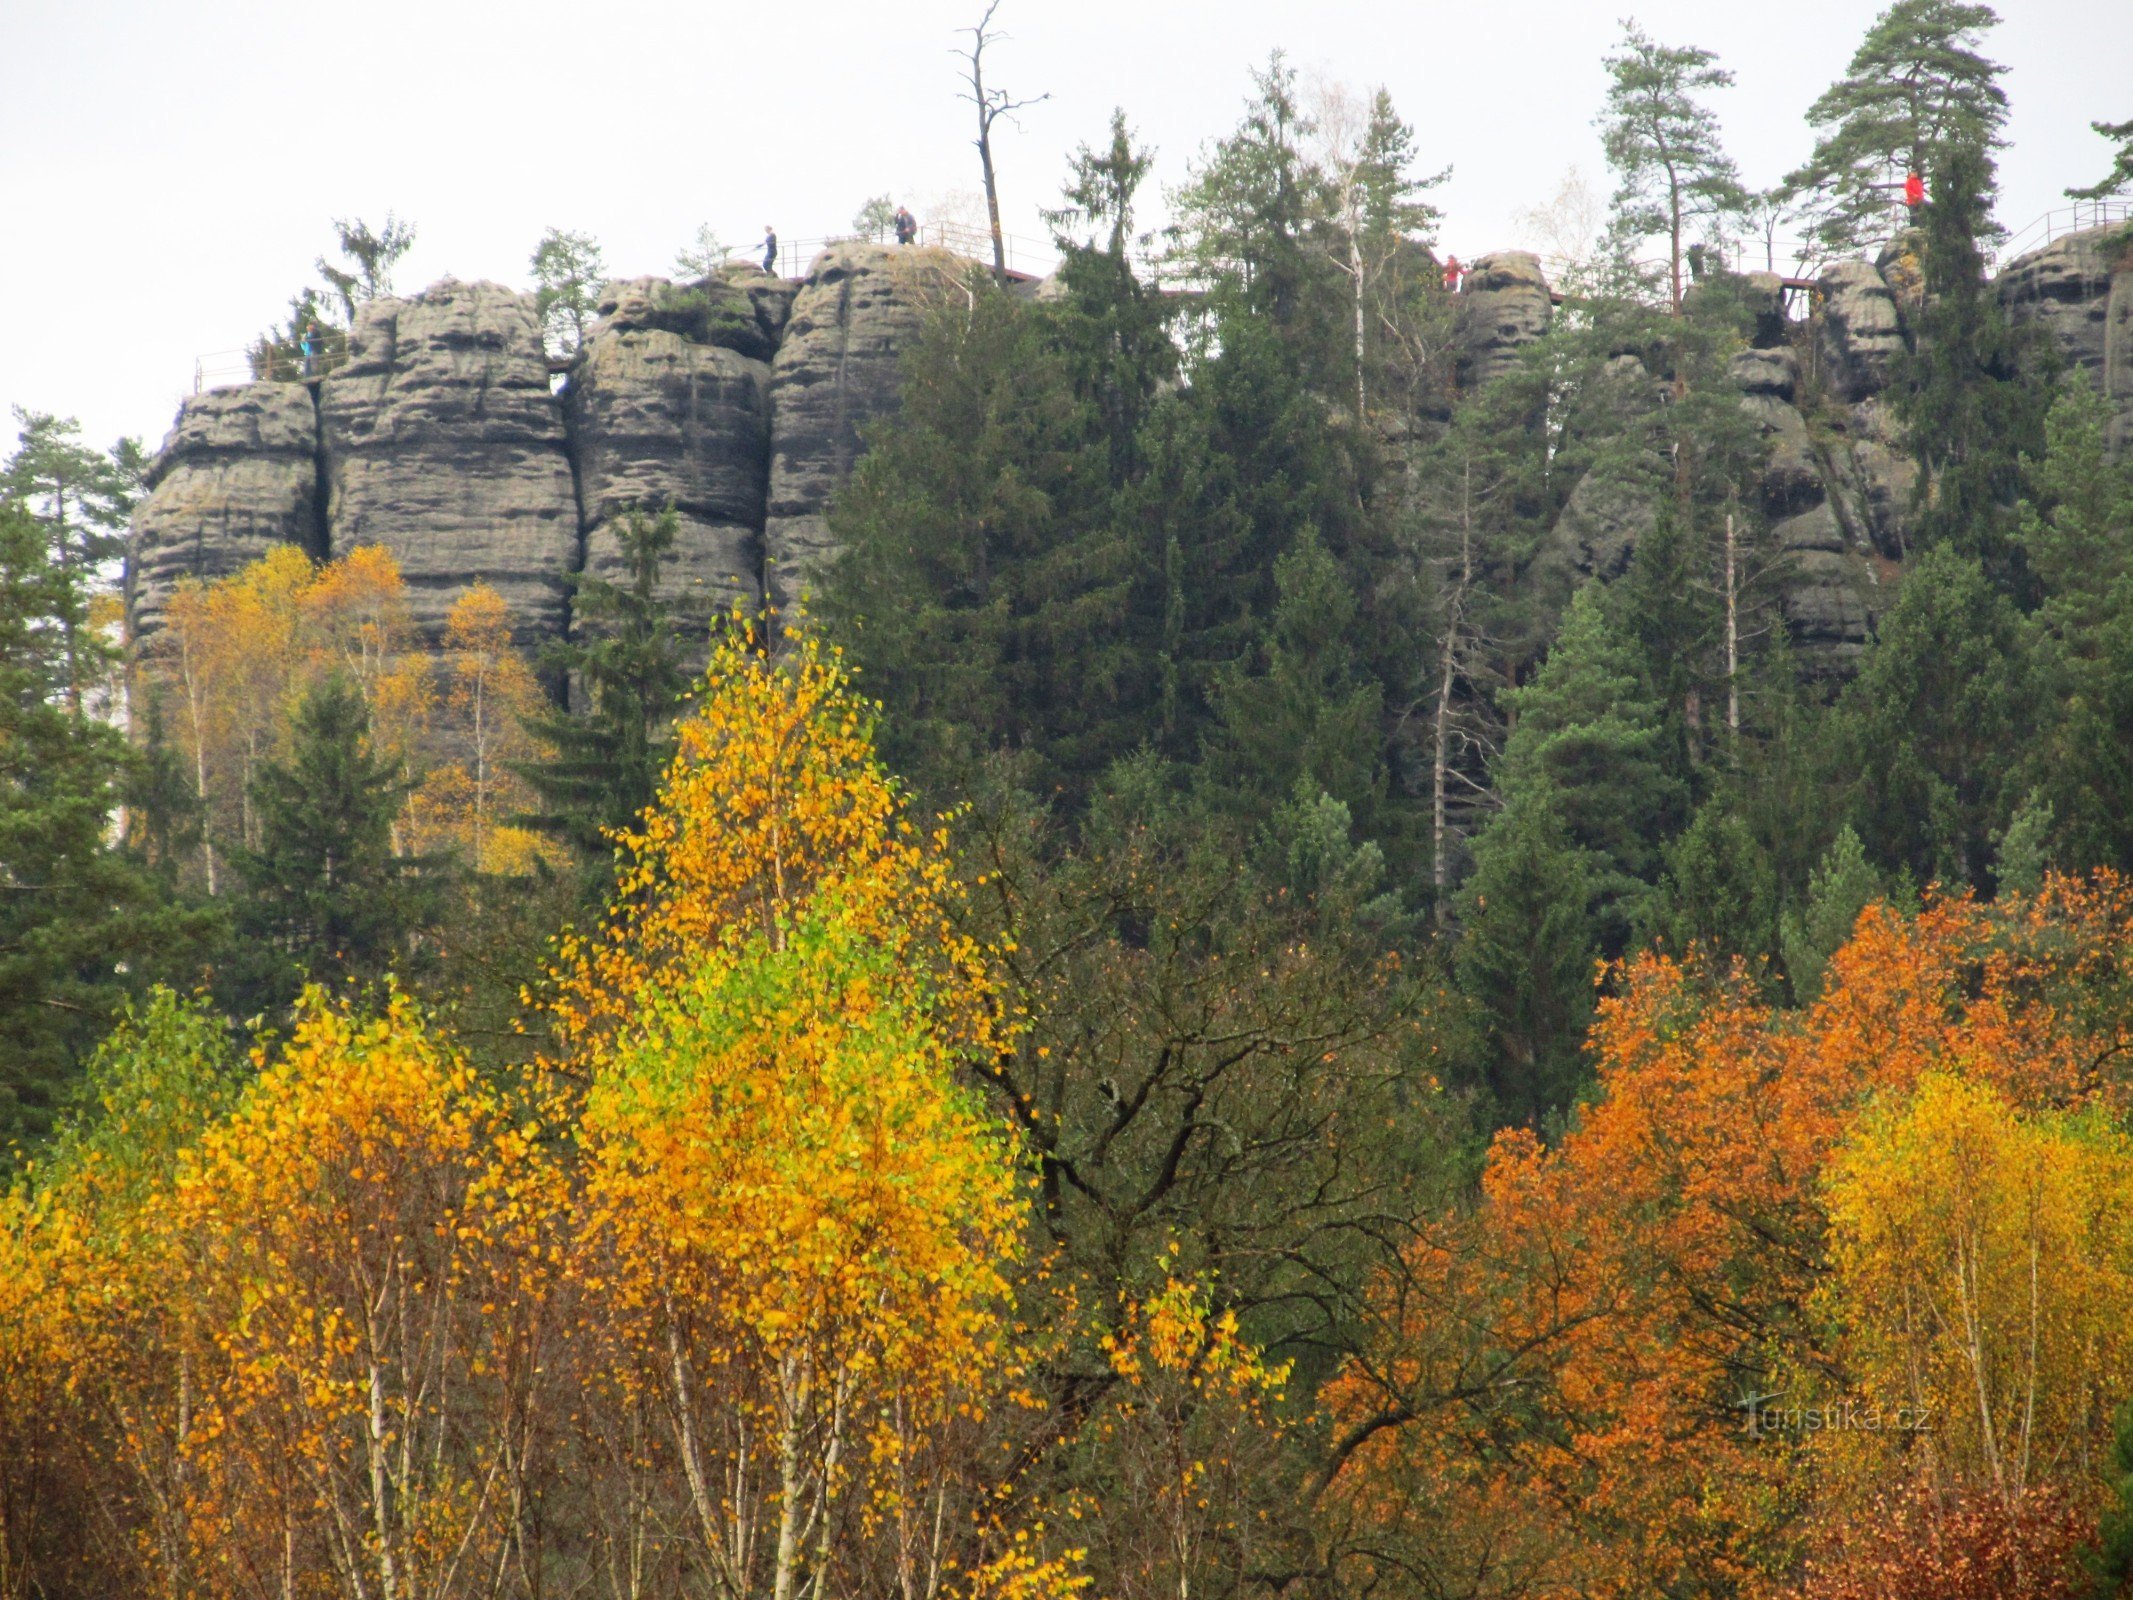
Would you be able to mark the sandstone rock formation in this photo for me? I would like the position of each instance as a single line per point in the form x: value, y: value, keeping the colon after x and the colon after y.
x: 838, y: 368
x: 444, y: 443
x: 1862, y: 330
x: 742, y: 401
x: 663, y: 410
x: 2079, y: 290
x: 1505, y: 304
x: 237, y: 475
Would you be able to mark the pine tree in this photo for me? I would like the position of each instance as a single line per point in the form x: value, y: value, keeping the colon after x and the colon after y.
x: 624, y: 664
x: 1663, y: 142
x: 82, y: 498
x: 326, y: 896
x: 1916, y: 88
x: 568, y: 274
x: 2121, y: 174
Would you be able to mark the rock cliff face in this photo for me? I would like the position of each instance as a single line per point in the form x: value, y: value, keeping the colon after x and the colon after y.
x: 237, y: 476
x: 2079, y: 289
x: 668, y: 404
x: 443, y: 443
x: 1505, y: 304
x: 740, y: 401
x: 836, y: 370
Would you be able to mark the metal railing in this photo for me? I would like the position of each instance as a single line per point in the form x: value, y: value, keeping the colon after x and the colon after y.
x: 221, y: 369
x: 1025, y: 257
x: 2079, y: 217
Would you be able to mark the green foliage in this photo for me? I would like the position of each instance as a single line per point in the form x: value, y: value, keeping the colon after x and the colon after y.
x: 327, y: 897
x: 703, y: 255
x: 1305, y: 714
x: 1968, y: 408
x: 81, y: 500
x: 1588, y: 746
x: 368, y: 256
x: 1717, y: 893
x: 166, y: 1070
x: 986, y: 584
x: 567, y: 273
x: 1671, y: 168
x: 624, y: 662
x: 2023, y: 856
x: 2074, y: 536
x: 1527, y: 948
x: 1844, y: 885
x: 83, y: 923
x: 876, y: 219
x: 2111, y: 1564
x: 1942, y: 701
x: 1916, y: 89
x: 2121, y: 174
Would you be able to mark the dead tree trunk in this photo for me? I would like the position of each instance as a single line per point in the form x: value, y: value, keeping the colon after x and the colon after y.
x: 992, y: 105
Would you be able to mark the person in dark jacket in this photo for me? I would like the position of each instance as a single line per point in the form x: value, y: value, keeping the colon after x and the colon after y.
x: 770, y: 248
x: 906, y: 225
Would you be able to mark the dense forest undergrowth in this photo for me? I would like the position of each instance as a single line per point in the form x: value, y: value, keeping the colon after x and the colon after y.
x: 1212, y: 1020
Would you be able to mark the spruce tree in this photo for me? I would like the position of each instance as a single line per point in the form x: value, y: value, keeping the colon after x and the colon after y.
x: 1934, y: 723
x: 1718, y: 893
x: 1844, y: 885
x: 1525, y: 958
x: 1305, y: 713
x: 1969, y: 409
x: 327, y: 897
x: 985, y: 584
x: 2074, y: 536
x: 83, y: 924
x: 1916, y: 88
x: 1588, y: 744
x: 624, y: 664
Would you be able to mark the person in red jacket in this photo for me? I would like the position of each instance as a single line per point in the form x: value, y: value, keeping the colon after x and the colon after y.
x: 1914, y: 190
x: 1453, y: 272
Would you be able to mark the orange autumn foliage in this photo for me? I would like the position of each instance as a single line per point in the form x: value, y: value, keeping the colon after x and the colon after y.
x: 1576, y: 1353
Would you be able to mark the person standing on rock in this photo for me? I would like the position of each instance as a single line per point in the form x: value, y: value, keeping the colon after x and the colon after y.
x: 1453, y: 272
x: 906, y: 225
x: 308, y: 344
x: 770, y: 248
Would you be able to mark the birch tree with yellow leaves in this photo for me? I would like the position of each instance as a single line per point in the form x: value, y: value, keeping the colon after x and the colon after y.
x: 797, y: 1221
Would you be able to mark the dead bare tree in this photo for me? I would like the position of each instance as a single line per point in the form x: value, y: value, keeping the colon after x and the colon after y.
x: 992, y: 105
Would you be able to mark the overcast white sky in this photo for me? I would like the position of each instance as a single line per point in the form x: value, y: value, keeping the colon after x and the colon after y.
x: 168, y: 167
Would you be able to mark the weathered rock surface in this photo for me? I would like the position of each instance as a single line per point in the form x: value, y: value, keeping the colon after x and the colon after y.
x: 1505, y: 305
x: 444, y: 444
x: 2079, y: 290
x: 838, y: 367
x: 237, y: 475
x: 661, y: 415
x: 1862, y: 331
